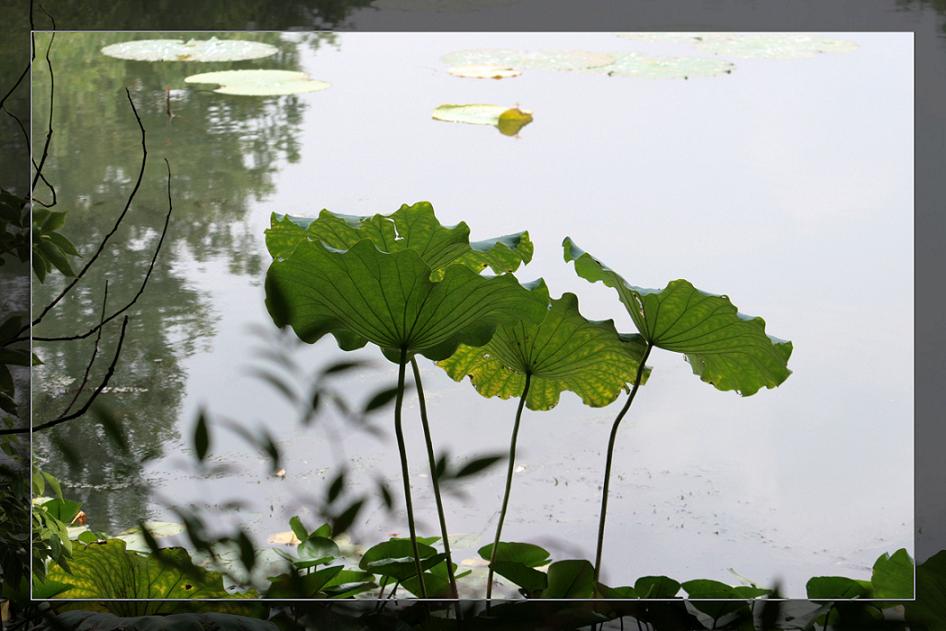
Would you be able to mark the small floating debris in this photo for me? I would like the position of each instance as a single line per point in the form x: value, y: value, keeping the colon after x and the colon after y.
x: 259, y: 82
x: 209, y: 50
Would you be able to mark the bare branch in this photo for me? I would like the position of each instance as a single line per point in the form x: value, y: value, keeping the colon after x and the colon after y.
x: 49, y: 124
x: 95, y: 351
x: 85, y: 407
x: 118, y: 221
x: 141, y: 289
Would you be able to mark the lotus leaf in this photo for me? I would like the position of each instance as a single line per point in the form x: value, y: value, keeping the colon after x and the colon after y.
x: 412, y: 227
x: 725, y: 348
x: 564, y: 352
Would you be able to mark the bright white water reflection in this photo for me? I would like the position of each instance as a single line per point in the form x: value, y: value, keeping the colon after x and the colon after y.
x: 786, y: 185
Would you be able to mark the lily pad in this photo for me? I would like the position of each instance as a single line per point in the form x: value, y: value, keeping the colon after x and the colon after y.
x: 725, y: 348
x: 529, y: 59
x: 646, y: 67
x: 484, y: 71
x: 208, y: 50
x: 259, y: 82
x: 509, y: 120
x: 564, y: 352
x: 754, y: 45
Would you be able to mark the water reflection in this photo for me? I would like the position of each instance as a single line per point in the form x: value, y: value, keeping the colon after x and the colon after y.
x: 94, y: 161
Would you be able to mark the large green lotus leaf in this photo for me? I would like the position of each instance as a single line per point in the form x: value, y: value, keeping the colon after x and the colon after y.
x: 724, y: 347
x: 564, y: 352
x: 363, y: 295
x: 529, y: 59
x: 413, y: 227
x: 108, y: 570
x: 208, y: 50
x: 259, y: 82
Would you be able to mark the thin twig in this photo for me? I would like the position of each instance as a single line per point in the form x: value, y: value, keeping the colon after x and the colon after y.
x: 95, y: 351
x: 49, y: 124
x: 26, y: 137
x: 141, y: 289
x: 85, y: 407
x: 98, y: 252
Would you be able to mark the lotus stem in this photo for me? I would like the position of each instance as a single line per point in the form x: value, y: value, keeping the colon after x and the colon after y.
x: 607, y: 463
x: 509, y: 472
x: 404, y: 469
x: 432, y: 461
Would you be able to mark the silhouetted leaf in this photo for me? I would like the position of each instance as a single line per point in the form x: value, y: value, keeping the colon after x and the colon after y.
x: 834, y: 587
x: 725, y: 348
x: 347, y: 517
x: 570, y: 579
x: 201, y: 437
x: 528, y: 554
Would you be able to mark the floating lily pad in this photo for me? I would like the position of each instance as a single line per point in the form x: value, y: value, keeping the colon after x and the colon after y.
x: 212, y: 49
x: 484, y: 71
x: 509, y: 120
x: 753, y: 45
x: 529, y: 59
x: 259, y: 82
x: 637, y: 65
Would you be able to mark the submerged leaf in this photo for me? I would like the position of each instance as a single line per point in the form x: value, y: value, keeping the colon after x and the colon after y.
x: 529, y: 59
x: 754, y: 45
x: 363, y: 295
x: 484, y: 71
x: 210, y: 50
x: 564, y: 352
x: 413, y: 227
x: 725, y: 348
x: 646, y: 67
x: 259, y: 82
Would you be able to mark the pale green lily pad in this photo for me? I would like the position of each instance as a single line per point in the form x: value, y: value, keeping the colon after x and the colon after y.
x: 753, y: 45
x: 484, y: 71
x: 529, y: 59
x: 206, y: 50
x: 259, y: 82
x: 646, y: 67
x: 509, y: 120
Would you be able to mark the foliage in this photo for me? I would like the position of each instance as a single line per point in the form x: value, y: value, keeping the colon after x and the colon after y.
x: 563, y: 352
x: 724, y: 348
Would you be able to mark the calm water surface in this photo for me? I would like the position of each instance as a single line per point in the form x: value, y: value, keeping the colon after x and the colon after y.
x: 786, y: 185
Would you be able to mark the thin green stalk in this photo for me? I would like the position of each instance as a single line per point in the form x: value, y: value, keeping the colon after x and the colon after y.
x: 404, y: 470
x: 509, y: 471
x: 607, y: 465
x: 432, y: 461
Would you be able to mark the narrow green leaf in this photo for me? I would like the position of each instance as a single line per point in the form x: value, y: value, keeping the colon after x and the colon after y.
x: 201, y: 437
x: 727, y: 349
x: 298, y: 529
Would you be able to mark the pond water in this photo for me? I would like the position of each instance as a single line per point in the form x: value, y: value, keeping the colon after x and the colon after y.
x: 787, y: 185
